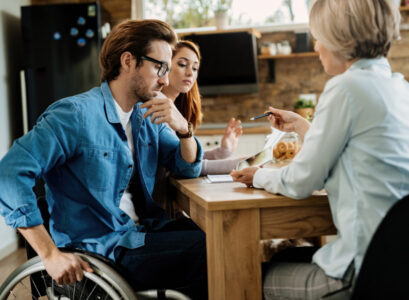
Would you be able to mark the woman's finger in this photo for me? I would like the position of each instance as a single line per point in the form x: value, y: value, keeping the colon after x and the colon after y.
x: 234, y: 174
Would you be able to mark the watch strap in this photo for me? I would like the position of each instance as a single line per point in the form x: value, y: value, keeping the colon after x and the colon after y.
x: 189, y: 132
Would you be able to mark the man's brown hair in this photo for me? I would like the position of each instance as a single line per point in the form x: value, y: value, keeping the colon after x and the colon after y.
x: 134, y: 36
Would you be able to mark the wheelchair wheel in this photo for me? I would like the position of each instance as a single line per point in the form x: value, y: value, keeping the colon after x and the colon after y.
x: 31, y: 281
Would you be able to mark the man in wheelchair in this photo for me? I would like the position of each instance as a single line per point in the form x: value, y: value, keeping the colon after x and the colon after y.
x: 98, y: 153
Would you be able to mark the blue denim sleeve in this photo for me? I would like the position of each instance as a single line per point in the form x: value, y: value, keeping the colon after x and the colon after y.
x: 171, y: 157
x: 47, y: 145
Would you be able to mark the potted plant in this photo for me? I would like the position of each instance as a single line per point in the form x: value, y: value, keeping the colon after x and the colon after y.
x: 221, y: 17
x: 304, y: 108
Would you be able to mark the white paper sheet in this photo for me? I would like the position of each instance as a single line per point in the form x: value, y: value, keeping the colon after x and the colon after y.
x: 219, y: 178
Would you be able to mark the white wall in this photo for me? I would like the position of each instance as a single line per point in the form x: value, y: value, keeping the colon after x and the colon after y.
x: 10, y: 108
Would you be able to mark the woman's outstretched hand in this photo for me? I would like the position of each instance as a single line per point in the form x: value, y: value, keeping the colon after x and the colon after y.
x: 288, y: 121
x: 231, y: 135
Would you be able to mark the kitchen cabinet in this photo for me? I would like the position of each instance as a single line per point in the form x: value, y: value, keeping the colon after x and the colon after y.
x: 249, y: 144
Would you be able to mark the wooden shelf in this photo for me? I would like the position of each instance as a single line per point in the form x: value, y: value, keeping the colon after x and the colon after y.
x: 404, y: 8
x: 292, y: 55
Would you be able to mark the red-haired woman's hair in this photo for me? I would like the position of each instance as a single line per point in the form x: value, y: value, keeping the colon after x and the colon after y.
x: 190, y: 103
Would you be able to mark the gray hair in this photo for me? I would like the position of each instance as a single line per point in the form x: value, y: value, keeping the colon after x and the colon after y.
x: 355, y: 28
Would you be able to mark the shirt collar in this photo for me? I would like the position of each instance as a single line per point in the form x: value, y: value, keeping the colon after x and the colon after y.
x: 110, y: 109
x: 380, y: 64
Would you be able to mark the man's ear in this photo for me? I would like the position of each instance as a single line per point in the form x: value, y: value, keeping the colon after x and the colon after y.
x: 128, y: 61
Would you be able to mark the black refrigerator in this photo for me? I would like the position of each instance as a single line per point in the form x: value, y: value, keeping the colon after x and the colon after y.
x: 61, y: 45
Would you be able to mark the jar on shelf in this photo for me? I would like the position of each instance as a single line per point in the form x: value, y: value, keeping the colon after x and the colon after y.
x: 268, y: 49
x: 284, y: 48
x: 287, y: 147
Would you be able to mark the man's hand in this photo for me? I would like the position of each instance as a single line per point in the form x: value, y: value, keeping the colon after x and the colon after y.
x: 65, y: 268
x: 164, y: 110
x: 231, y: 135
x: 244, y: 176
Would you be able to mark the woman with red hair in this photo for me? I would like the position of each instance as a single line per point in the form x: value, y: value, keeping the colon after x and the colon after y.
x: 184, y: 91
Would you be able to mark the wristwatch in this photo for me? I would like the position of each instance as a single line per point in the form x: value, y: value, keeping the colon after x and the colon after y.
x: 189, y: 132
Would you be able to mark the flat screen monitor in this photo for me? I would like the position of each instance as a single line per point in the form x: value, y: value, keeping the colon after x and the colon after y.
x: 229, y: 62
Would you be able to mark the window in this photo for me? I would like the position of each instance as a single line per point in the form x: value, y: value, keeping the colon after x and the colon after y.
x: 241, y: 13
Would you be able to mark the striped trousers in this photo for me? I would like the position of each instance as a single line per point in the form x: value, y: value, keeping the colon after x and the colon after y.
x: 288, y: 279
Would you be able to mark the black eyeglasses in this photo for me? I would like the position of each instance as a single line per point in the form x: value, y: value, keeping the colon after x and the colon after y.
x: 163, y: 66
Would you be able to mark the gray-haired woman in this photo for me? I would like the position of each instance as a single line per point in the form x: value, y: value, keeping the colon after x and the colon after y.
x: 357, y: 146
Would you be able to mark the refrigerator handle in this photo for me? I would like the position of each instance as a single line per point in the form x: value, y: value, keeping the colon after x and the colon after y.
x: 24, y: 110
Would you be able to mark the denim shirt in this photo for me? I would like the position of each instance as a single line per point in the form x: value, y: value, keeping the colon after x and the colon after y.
x: 357, y: 148
x: 80, y: 149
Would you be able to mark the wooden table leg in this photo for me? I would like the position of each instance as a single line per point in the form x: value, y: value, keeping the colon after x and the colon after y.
x: 233, y: 259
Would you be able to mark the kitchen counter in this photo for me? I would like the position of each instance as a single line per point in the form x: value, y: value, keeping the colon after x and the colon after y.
x: 248, y: 128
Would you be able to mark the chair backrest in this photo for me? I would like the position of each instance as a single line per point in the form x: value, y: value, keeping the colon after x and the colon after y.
x: 385, y: 269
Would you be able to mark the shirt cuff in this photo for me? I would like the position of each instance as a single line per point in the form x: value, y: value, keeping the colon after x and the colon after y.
x: 264, y: 176
x: 24, y: 216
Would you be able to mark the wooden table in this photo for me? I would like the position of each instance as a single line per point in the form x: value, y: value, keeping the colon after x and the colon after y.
x: 235, y: 219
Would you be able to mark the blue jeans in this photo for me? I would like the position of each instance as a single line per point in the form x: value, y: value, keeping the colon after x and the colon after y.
x: 173, y: 257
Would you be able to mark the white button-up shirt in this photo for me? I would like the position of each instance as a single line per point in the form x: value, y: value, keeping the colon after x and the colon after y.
x: 357, y: 148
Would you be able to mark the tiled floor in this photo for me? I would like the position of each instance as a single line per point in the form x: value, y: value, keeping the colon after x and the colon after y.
x: 11, y: 262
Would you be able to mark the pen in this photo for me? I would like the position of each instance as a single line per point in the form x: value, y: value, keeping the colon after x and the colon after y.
x: 261, y: 116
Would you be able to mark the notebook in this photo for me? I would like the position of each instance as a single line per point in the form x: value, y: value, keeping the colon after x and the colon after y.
x: 219, y: 178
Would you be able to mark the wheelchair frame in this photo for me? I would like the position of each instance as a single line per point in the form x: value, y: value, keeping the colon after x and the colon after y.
x: 104, y: 277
